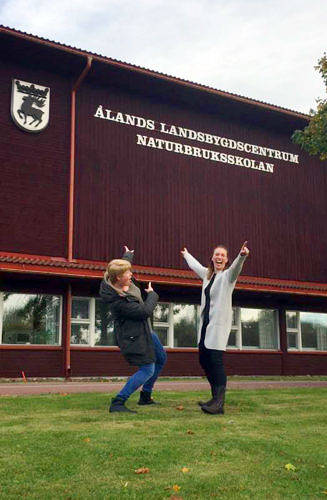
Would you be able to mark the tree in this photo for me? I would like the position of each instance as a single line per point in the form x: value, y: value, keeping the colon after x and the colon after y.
x: 313, y: 138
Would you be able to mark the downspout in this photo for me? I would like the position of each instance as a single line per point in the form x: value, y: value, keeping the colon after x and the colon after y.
x: 72, y: 157
x: 67, y: 365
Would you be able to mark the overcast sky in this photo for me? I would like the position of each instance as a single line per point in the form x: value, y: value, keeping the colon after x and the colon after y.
x: 262, y: 49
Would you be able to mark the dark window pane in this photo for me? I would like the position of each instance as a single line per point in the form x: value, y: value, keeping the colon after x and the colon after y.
x: 314, y: 330
x: 80, y: 334
x: 232, y: 339
x: 30, y: 319
x: 291, y: 319
x: 162, y: 333
x: 80, y: 308
x: 104, y: 326
x: 161, y: 313
x: 250, y: 333
x: 291, y: 340
x: 234, y: 322
x: 185, y: 325
x: 259, y: 328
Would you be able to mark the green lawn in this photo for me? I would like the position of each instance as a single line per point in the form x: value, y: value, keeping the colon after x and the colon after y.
x: 70, y: 447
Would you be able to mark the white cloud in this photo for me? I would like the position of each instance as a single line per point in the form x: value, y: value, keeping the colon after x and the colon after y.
x: 261, y: 49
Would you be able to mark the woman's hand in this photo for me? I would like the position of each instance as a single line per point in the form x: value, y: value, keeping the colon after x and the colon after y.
x: 184, y: 251
x: 126, y: 249
x: 244, y: 249
x: 149, y: 289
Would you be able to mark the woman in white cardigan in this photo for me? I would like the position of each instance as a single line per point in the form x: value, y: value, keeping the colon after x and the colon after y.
x: 216, y: 318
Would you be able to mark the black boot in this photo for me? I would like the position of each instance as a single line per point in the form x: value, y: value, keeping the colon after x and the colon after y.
x: 216, y: 407
x: 146, y: 399
x: 205, y: 403
x: 214, y: 393
x: 118, y: 405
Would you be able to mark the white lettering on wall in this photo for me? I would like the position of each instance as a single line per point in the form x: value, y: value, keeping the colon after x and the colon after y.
x: 199, y: 136
x: 207, y: 154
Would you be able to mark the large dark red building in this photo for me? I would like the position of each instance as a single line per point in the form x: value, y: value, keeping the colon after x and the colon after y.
x: 96, y: 154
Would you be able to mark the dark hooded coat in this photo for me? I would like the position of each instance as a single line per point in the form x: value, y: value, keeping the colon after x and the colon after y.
x: 131, y: 325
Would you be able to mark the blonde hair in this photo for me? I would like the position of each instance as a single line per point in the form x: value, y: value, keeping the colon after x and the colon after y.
x: 211, y: 267
x: 115, y: 268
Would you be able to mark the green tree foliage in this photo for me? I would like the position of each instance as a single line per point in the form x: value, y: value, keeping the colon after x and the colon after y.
x: 313, y: 138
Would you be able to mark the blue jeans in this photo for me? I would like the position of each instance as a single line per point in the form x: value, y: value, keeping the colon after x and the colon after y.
x: 146, y: 374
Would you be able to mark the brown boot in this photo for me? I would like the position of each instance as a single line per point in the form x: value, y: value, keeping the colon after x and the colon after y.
x: 216, y: 406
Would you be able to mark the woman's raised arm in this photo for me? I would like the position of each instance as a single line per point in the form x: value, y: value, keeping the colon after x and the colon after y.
x: 195, y: 265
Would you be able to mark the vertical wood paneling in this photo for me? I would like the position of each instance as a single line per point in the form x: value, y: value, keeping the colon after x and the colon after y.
x: 157, y: 201
x: 34, y: 169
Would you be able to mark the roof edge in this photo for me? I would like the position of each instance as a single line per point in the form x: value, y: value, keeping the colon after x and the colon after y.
x: 156, y: 74
x: 78, y: 268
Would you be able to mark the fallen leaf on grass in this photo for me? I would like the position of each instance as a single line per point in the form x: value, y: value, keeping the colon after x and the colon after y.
x: 142, y: 470
x: 176, y: 487
x: 290, y: 467
x: 180, y: 407
x: 324, y: 492
x: 87, y: 440
x: 63, y: 394
x: 185, y: 470
x: 190, y: 432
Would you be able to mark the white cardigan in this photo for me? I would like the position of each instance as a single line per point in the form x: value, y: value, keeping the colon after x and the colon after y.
x: 221, y: 312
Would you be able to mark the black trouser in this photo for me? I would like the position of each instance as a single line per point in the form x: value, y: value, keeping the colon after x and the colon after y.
x: 211, y: 360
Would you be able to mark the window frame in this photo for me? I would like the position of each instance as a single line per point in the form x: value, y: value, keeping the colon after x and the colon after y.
x: 298, y: 331
x: 84, y: 321
x: 59, y: 296
x: 90, y: 321
x: 170, y: 324
x: 238, y: 329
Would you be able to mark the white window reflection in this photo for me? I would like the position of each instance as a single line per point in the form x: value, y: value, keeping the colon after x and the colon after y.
x: 306, y: 330
x: 30, y: 318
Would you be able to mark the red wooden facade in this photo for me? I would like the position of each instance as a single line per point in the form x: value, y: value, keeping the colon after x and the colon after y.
x: 75, y: 193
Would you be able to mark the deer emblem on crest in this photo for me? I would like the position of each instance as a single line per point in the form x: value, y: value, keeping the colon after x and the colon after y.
x: 30, y: 101
x: 27, y: 109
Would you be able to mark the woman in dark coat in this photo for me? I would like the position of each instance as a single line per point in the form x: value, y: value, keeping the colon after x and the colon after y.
x: 133, y: 330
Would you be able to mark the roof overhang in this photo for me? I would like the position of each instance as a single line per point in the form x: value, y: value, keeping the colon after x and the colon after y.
x: 60, y: 267
x: 62, y: 57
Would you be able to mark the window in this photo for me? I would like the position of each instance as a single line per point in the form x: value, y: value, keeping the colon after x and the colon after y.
x: 185, y: 325
x: 81, y: 321
x: 91, y: 324
x: 176, y: 324
x: 254, y: 329
x: 306, y: 331
x: 234, y: 337
x: 104, y: 326
x: 161, y: 317
x: 30, y: 319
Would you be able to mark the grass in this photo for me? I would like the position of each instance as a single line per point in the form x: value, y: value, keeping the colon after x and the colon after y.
x: 69, y: 447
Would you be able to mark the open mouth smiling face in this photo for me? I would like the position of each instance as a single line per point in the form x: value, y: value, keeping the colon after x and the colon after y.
x: 219, y: 258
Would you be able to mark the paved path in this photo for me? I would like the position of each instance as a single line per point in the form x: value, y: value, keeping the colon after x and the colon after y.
x: 60, y: 387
